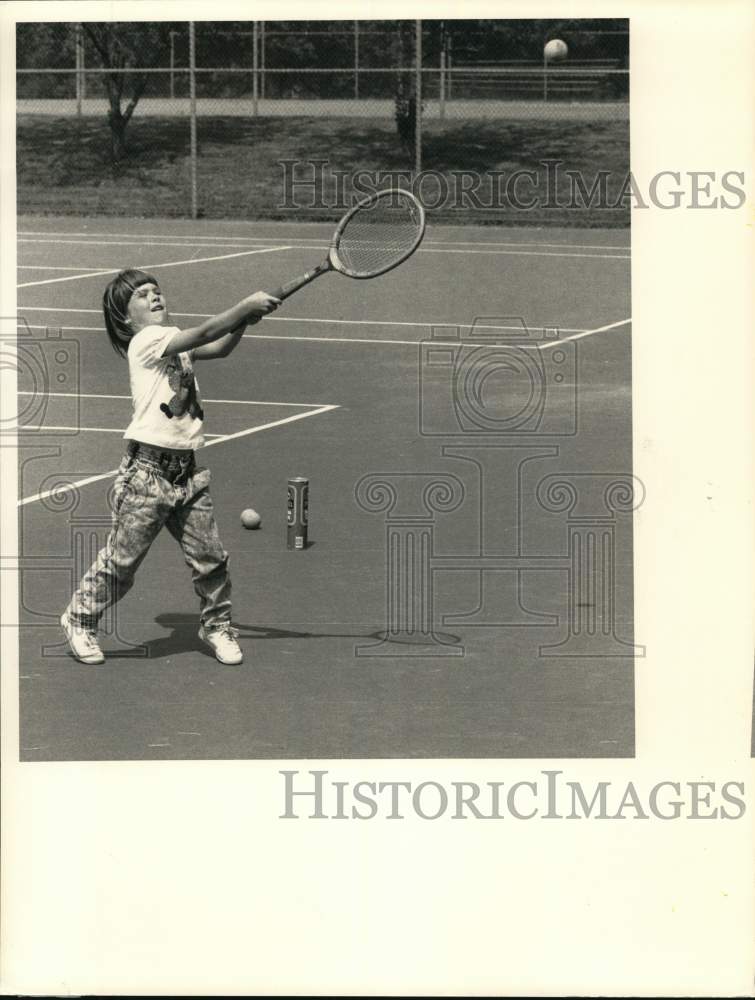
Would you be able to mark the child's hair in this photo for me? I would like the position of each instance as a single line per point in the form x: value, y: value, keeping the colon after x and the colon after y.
x: 115, y: 305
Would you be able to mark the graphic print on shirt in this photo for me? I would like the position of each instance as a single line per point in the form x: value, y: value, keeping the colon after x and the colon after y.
x: 184, y: 400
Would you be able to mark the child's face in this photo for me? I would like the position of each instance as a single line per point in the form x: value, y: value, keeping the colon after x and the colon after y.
x: 146, y: 307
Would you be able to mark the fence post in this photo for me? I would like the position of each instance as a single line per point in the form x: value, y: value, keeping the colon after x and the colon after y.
x: 82, y: 56
x: 255, y: 69
x: 193, y: 114
x: 356, y: 59
x: 77, y: 48
x: 262, y: 58
x: 172, y: 64
x: 442, y: 90
x: 418, y: 98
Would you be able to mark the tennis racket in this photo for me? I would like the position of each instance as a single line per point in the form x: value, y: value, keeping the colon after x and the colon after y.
x: 375, y: 236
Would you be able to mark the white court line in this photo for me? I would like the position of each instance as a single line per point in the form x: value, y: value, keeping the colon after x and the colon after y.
x: 138, y: 243
x: 61, y: 427
x: 52, y: 267
x: 576, y: 335
x: 305, y: 239
x: 301, y: 319
x: 151, y: 267
x: 496, y: 253
x: 324, y: 246
x: 540, y: 346
x: 589, y: 333
x: 532, y: 253
x: 67, y: 487
x: 275, y: 423
x: 104, y: 395
x: 526, y: 243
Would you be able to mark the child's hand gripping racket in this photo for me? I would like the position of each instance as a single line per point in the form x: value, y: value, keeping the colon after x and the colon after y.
x: 375, y: 236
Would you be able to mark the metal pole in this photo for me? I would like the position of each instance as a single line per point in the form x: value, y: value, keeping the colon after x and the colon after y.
x: 262, y: 58
x: 172, y: 63
x: 193, y: 113
x: 356, y: 59
x: 82, y: 56
x: 255, y: 69
x: 442, y: 84
x: 77, y: 48
x: 418, y: 97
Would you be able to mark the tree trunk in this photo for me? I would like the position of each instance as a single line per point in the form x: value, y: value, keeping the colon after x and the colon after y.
x: 119, y: 118
x: 116, y: 120
x: 117, y: 140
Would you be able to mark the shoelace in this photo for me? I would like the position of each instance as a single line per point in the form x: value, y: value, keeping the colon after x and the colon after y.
x: 228, y: 631
x: 89, y: 638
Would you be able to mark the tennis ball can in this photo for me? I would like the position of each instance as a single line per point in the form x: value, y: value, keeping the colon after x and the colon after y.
x: 298, y: 513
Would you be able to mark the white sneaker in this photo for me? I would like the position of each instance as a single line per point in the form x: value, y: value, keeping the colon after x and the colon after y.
x: 223, y: 642
x: 83, y: 641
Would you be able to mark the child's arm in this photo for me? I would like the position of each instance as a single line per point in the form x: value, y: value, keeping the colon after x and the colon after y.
x: 223, y: 347
x: 251, y: 309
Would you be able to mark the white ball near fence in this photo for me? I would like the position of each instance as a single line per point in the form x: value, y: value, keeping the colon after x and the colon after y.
x: 556, y: 50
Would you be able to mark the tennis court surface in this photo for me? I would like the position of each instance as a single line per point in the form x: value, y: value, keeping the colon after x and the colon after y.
x: 334, y: 387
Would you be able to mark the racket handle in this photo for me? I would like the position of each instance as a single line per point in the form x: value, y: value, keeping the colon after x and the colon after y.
x: 295, y: 284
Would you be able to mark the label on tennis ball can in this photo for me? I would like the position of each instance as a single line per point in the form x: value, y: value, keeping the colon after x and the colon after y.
x: 297, y: 515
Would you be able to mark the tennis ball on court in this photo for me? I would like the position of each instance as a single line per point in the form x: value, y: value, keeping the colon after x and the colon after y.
x: 250, y: 518
x: 556, y: 50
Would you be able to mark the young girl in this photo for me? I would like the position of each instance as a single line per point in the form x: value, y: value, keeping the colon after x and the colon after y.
x: 158, y: 482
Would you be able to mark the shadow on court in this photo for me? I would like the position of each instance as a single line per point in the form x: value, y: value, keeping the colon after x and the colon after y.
x: 183, y: 636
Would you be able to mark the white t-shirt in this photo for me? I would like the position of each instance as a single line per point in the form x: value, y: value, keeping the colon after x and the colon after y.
x: 165, y: 395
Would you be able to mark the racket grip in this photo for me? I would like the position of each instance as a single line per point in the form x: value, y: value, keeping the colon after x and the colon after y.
x: 283, y: 291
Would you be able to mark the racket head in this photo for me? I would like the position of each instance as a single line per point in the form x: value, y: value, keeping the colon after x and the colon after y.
x: 378, y: 234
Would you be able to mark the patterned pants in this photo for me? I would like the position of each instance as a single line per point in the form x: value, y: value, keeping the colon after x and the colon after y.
x: 151, y: 492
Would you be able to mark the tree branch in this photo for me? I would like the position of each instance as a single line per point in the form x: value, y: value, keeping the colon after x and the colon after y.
x: 99, y: 41
x: 140, y: 85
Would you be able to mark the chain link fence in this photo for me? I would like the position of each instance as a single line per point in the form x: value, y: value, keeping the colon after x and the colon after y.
x: 294, y: 119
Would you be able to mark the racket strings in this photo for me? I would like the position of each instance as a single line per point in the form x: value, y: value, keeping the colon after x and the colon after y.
x: 380, y: 235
